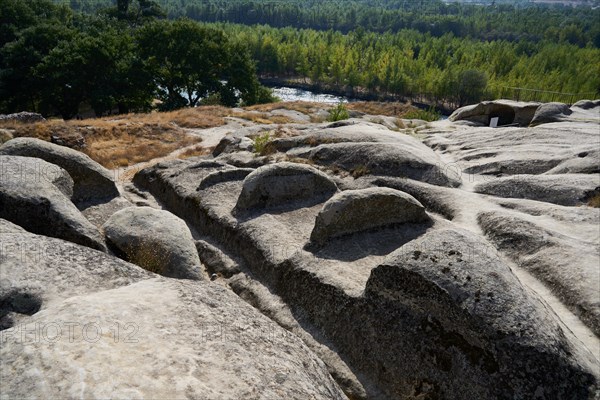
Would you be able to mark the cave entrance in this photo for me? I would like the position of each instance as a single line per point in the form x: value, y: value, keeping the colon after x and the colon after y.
x: 505, y: 115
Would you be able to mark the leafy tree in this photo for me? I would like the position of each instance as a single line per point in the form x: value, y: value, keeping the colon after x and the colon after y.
x: 136, y: 12
x: 20, y: 87
x: 471, y: 86
x: 185, y: 58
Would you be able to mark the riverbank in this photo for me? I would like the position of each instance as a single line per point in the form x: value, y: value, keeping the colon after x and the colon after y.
x: 351, y: 95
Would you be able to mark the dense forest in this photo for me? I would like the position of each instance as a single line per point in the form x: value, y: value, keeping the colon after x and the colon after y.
x: 408, y: 62
x: 518, y: 20
x: 122, y: 54
x: 53, y: 60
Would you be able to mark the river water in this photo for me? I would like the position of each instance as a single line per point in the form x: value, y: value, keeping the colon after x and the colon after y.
x: 293, y: 94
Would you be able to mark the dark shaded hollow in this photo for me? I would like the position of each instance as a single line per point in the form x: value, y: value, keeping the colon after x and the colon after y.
x: 505, y: 115
x: 18, y: 302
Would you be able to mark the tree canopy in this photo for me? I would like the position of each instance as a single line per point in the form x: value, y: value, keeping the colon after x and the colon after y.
x: 122, y: 54
x: 53, y: 60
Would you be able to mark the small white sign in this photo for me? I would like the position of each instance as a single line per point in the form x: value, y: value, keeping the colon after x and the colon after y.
x: 494, y: 122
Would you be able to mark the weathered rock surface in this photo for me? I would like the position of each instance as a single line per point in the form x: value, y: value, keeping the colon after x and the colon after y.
x: 32, y: 195
x: 441, y: 200
x: 22, y: 117
x: 397, y: 302
x: 282, y: 183
x: 551, y: 112
x: 215, y: 260
x: 587, y: 104
x: 361, y: 210
x: 167, y: 338
x: 549, y: 256
x: 467, y: 326
x: 231, y: 144
x: 155, y: 240
x: 29, y: 169
x: 232, y: 174
x: 337, y: 283
x: 92, y: 181
x: 564, y: 189
x: 364, y: 148
x: 510, y: 151
x: 176, y: 339
x: 47, y: 270
x: 527, y: 114
x: 508, y: 112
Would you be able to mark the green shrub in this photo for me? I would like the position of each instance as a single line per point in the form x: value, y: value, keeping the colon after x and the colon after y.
x: 431, y: 114
x: 338, y: 113
x: 265, y: 95
x: 260, y: 142
x: 213, y: 99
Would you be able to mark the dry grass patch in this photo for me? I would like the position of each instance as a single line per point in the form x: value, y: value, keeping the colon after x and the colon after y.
x: 127, y: 149
x: 194, y: 118
x: 115, y: 143
x: 360, y: 170
x: 11, y: 124
x: 594, y: 201
x: 305, y: 107
x: 389, y: 109
x: 45, y: 130
x: 261, y: 118
x: 196, y: 151
x: 5, y: 136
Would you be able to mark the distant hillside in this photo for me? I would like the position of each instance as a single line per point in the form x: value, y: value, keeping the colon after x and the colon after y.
x: 513, y: 20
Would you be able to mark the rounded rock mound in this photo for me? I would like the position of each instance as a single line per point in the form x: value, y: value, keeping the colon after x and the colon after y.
x: 550, y: 112
x: 92, y: 181
x: 359, y: 210
x: 282, y: 183
x: 156, y: 240
x: 33, y: 195
x: 34, y: 170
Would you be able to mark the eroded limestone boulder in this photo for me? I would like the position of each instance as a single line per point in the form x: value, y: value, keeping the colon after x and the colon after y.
x: 156, y: 240
x: 32, y: 195
x: 225, y: 175
x: 563, y: 189
x: 387, y: 159
x: 460, y: 321
x: 37, y: 271
x: 92, y: 181
x: 549, y: 255
x: 361, y: 210
x: 587, y: 104
x: 162, y: 339
x: 551, y: 112
x: 24, y: 117
x: 507, y: 111
x: 71, y: 311
x: 29, y: 169
x: 283, y: 183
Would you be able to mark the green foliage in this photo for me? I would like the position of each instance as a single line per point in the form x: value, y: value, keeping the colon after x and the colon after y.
x: 135, y: 12
x: 53, y: 61
x: 262, y: 95
x: 260, y: 143
x: 431, y: 114
x: 471, y: 86
x: 183, y: 57
x: 447, y: 69
x: 511, y: 21
x: 338, y: 113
